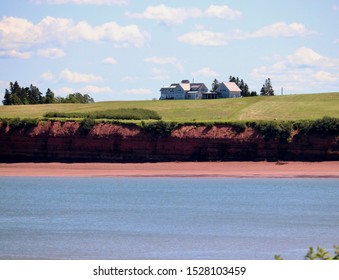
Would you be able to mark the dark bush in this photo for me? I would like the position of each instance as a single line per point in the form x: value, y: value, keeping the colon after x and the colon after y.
x: 87, y: 124
x: 17, y: 123
x: 158, y: 129
x: 273, y: 129
x: 325, y: 126
x: 118, y: 114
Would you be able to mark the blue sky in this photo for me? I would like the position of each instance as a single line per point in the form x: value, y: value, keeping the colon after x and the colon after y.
x: 128, y: 49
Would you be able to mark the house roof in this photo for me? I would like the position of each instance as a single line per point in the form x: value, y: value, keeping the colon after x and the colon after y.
x: 185, y: 86
x: 196, y: 86
x: 232, y: 86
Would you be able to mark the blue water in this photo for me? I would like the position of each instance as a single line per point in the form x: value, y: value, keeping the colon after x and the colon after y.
x: 166, y: 218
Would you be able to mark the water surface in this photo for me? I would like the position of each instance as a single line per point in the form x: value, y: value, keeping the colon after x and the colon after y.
x: 166, y: 218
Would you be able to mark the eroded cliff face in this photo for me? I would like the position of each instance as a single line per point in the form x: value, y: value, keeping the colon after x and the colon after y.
x: 68, y: 142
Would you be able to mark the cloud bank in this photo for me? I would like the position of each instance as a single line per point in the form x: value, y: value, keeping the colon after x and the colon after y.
x: 173, y: 16
x: 18, y: 34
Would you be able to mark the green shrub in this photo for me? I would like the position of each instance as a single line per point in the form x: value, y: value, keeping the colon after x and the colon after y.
x: 118, y: 114
x: 158, y: 129
x: 4, y: 122
x: 87, y: 124
x: 238, y: 127
x: 273, y: 129
x: 325, y: 126
x: 17, y: 123
x: 303, y: 126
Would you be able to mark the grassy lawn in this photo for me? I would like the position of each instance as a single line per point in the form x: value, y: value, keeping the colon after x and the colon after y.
x: 289, y: 107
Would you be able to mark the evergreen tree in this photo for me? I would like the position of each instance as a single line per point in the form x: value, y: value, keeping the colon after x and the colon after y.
x: 267, y: 89
x: 50, y: 97
x: 34, y: 95
x: 18, y: 94
x: 7, y: 98
x: 215, y: 85
x: 245, y: 92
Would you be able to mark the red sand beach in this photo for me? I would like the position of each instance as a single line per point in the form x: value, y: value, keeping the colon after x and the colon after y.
x: 175, y: 169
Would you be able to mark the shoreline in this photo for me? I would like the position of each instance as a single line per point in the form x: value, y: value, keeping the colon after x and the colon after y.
x: 327, y: 169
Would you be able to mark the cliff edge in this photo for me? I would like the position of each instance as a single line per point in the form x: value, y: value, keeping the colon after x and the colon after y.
x: 69, y: 141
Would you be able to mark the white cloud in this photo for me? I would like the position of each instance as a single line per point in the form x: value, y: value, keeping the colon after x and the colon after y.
x: 160, y: 74
x: 167, y: 15
x: 75, y: 77
x: 222, y: 12
x: 15, y: 54
x: 325, y: 76
x: 282, y: 29
x: 64, y: 91
x: 109, y: 60
x: 302, y: 71
x: 51, y: 53
x: 89, y: 89
x: 19, y: 33
x: 204, y: 38
x: 205, y: 72
x: 173, y: 16
x: 209, y: 38
x: 171, y: 60
x: 47, y: 76
x: 138, y: 91
x: 94, y: 89
x: 81, y: 2
x: 308, y: 57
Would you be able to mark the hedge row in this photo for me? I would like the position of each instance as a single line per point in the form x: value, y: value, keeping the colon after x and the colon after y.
x: 117, y: 114
x: 268, y: 129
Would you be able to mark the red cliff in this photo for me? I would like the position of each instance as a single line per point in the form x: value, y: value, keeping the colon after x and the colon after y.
x: 68, y: 142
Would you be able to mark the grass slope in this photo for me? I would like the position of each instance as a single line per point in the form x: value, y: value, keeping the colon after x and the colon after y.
x: 289, y: 107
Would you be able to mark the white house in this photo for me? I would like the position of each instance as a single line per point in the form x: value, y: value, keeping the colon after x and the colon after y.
x: 184, y: 90
x: 187, y: 90
x: 228, y: 90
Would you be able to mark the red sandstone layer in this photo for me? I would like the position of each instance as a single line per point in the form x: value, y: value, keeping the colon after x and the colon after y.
x: 68, y: 142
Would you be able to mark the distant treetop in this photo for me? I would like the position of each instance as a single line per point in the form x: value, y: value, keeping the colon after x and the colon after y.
x: 17, y: 95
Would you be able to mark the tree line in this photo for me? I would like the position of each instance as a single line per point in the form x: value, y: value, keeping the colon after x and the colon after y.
x: 266, y: 90
x: 17, y: 95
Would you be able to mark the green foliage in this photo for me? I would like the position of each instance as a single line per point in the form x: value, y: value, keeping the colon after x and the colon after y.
x: 273, y: 129
x: 77, y: 98
x: 87, y: 124
x: 238, y: 127
x: 245, y: 92
x: 31, y: 95
x: 158, y: 129
x: 50, y: 97
x: 267, y: 89
x: 215, y: 84
x: 320, y: 254
x: 4, y: 122
x: 324, y: 126
x: 17, y: 123
x: 121, y: 114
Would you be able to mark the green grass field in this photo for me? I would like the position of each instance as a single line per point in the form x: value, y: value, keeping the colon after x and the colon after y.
x: 289, y: 107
